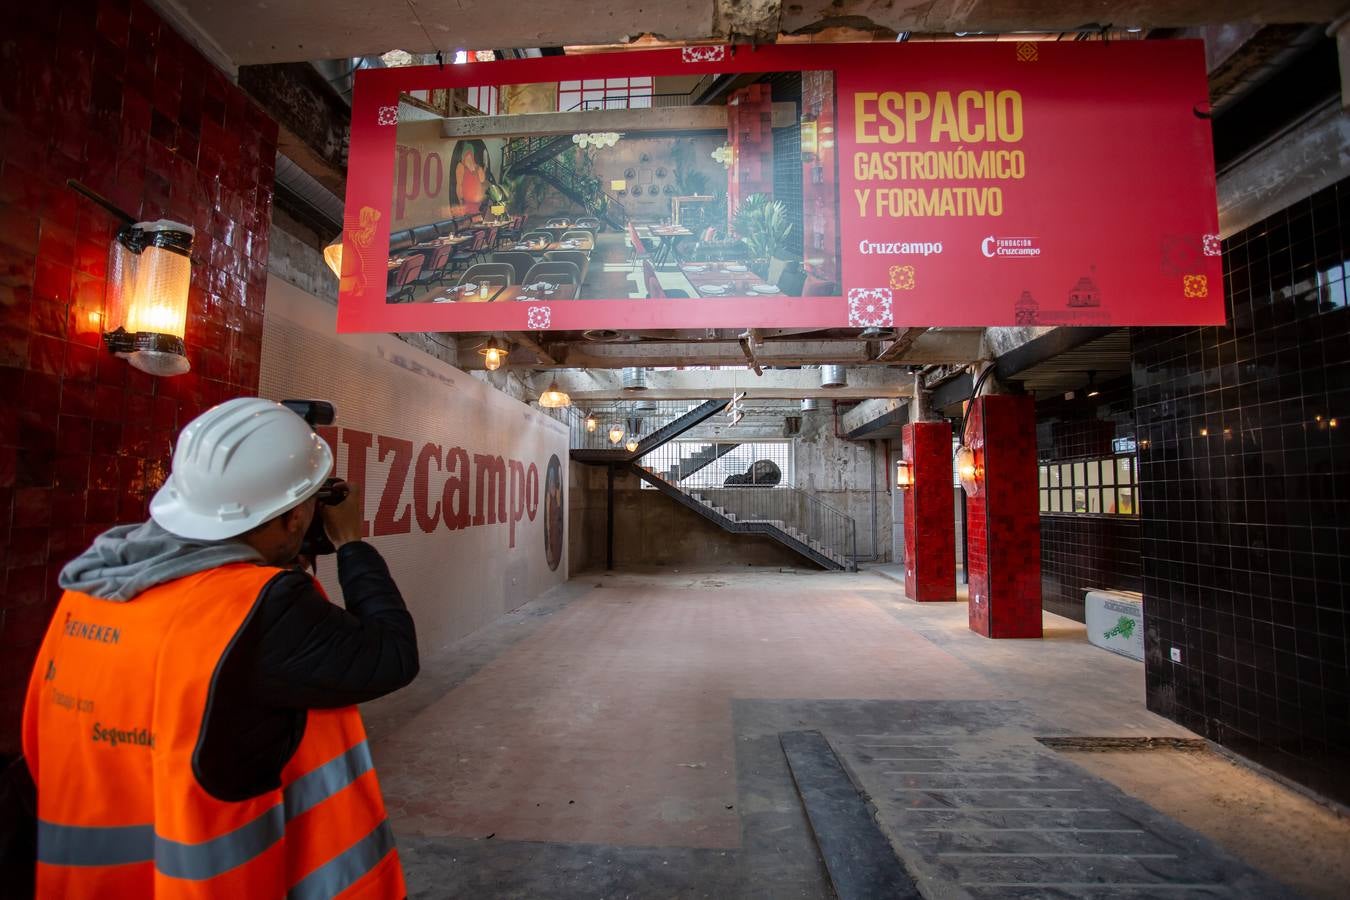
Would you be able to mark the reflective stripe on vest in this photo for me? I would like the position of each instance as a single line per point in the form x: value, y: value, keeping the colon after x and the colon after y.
x: 73, y: 845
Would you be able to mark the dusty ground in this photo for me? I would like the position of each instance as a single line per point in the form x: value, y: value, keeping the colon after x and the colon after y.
x: 1302, y: 843
x: 601, y: 741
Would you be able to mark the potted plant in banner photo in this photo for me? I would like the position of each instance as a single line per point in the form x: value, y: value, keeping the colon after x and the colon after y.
x: 763, y: 224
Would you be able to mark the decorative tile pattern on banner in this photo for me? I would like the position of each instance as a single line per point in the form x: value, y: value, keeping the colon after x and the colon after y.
x: 703, y: 54
x: 1027, y: 51
x: 538, y: 317
x: 1195, y: 286
x: 1213, y: 245
x: 870, y: 308
x: 388, y: 115
x: 902, y: 278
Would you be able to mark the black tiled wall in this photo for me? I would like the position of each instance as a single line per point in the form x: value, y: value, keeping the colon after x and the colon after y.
x: 1081, y: 552
x: 1245, y: 478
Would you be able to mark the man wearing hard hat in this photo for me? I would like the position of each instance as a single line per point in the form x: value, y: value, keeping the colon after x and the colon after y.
x: 190, y: 722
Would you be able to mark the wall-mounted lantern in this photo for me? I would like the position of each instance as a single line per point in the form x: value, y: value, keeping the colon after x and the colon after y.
x: 332, y: 254
x: 904, y: 474
x: 145, y: 306
x: 725, y: 154
x: 615, y: 433
x: 810, y: 147
x: 970, y: 470
x: 592, y: 423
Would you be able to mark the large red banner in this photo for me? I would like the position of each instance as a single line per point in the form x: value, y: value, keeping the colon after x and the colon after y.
x: 942, y: 184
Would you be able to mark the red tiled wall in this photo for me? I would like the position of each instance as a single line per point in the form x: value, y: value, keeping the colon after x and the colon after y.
x: 106, y: 93
x: 1004, y: 543
x: 930, y: 529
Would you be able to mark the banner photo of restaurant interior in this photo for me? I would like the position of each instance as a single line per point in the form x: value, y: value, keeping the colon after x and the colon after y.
x: 788, y: 186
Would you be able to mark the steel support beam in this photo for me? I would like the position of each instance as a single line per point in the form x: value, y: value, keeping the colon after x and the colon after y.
x: 593, y: 385
x: 313, y: 121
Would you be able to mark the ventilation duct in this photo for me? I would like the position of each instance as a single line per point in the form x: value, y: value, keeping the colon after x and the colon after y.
x: 634, y: 379
x: 833, y: 376
x: 810, y: 405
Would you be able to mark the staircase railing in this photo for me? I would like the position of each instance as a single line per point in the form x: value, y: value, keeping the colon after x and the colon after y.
x: 792, y: 509
x: 650, y: 422
x: 522, y: 153
x: 586, y: 190
x: 542, y: 156
x: 790, y: 516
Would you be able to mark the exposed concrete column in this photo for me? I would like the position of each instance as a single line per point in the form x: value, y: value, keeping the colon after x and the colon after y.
x: 1340, y: 30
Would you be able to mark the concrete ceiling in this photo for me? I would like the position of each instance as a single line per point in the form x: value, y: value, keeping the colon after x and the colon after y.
x: 266, y: 31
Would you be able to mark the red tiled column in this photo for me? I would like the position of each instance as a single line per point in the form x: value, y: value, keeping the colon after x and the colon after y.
x: 1003, y: 519
x: 930, y: 529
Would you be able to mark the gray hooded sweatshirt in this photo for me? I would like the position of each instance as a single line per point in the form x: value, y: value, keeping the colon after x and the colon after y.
x: 130, y: 559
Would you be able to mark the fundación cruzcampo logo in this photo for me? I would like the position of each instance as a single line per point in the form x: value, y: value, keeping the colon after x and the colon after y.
x: 1010, y: 247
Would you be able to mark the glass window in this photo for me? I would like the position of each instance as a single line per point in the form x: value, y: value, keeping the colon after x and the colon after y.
x: 569, y: 85
x: 1054, y: 501
x: 1045, y: 501
x: 1093, y: 470
x: 1080, y: 500
x: 1045, y: 475
x: 1066, y: 500
x: 1054, y: 476
x: 1094, y: 501
x: 1123, y: 470
x: 1079, y: 476
x: 1126, y: 502
x: 1108, y: 471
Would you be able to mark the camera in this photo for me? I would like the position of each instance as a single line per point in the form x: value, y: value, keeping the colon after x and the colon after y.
x: 333, y: 492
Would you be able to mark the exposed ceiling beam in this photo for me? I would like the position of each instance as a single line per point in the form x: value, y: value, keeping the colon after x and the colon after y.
x: 290, y: 32
x: 898, y: 347
x: 313, y: 121
x: 587, y: 385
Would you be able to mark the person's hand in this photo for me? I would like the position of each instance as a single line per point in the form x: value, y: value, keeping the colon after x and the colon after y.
x: 343, y: 522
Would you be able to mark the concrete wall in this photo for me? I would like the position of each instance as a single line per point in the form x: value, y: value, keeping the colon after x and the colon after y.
x: 650, y: 529
x: 840, y: 473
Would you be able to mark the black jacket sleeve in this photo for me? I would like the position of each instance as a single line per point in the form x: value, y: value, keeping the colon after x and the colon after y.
x: 312, y: 654
x: 297, y: 651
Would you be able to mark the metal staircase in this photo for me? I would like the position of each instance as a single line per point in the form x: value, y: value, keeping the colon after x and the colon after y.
x: 542, y: 156
x: 789, y: 516
x: 696, y: 461
x: 797, y: 520
x: 595, y: 449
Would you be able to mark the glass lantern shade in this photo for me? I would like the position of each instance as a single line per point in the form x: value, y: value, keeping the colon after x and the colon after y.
x: 970, y: 469
x: 145, y: 306
x: 554, y: 397
x: 904, y: 474
x: 332, y: 254
x: 615, y: 433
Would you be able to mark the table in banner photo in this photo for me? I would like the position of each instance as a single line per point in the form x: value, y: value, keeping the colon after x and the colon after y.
x: 727, y: 280
x: 472, y: 292
x: 539, y: 247
x: 667, y: 235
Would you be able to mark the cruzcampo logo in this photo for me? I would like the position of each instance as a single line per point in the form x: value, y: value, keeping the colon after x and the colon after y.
x: 1124, y: 628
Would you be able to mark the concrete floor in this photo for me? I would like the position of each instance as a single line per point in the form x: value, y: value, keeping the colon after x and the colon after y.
x: 619, y: 736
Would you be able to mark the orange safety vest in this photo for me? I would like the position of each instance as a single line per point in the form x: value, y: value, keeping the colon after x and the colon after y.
x: 114, y: 714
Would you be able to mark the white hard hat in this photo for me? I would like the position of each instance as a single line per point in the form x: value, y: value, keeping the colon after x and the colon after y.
x: 238, y: 465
